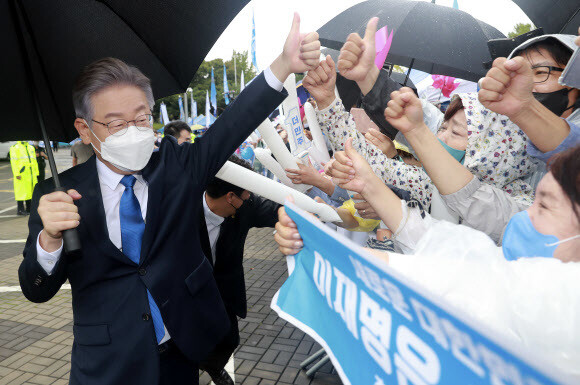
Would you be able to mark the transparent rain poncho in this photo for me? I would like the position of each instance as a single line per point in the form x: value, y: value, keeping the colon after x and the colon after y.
x: 532, y: 301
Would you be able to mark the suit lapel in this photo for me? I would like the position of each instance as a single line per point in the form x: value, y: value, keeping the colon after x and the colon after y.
x: 204, y: 237
x: 91, y: 209
x: 153, y: 177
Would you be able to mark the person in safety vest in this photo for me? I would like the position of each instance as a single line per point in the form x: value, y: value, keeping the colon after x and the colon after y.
x: 25, y: 171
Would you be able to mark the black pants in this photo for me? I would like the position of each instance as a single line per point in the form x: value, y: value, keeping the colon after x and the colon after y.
x: 220, y: 355
x: 41, y: 173
x: 22, y: 205
x: 175, y: 368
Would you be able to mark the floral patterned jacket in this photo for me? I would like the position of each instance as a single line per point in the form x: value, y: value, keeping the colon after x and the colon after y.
x: 496, y: 152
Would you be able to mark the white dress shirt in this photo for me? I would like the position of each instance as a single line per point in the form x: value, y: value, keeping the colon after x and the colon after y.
x: 213, y: 223
x: 112, y: 190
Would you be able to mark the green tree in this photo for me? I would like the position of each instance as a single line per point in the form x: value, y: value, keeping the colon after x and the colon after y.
x: 201, y: 83
x: 519, y: 29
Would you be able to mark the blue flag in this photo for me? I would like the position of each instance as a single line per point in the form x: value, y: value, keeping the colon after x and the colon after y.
x: 181, y: 113
x: 455, y: 4
x: 213, y: 93
x: 253, y: 45
x: 207, y: 112
x: 226, y: 88
x: 193, y: 107
x: 378, y: 327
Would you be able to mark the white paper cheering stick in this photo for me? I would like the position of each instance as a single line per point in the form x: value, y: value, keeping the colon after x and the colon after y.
x: 274, y: 191
x: 317, y: 136
x: 265, y: 157
x: 279, y: 149
x: 293, y: 122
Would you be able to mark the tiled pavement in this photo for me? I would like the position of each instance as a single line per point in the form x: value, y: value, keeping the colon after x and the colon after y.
x: 35, y: 339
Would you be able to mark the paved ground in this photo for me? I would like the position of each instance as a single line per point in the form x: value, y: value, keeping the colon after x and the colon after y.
x: 36, y: 339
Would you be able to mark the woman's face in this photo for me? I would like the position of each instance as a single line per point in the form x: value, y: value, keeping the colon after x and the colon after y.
x: 453, y: 132
x: 552, y: 214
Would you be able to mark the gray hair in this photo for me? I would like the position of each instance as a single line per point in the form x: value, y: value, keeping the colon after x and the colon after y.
x: 102, y: 74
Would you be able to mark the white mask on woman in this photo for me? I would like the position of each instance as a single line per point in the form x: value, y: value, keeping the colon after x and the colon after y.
x: 129, y: 152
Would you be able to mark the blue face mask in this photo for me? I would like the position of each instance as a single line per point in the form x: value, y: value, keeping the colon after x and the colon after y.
x: 459, y: 155
x: 521, y: 239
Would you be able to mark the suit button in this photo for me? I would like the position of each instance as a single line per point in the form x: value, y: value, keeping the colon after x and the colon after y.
x: 146, y: 317
x: 142, y: 271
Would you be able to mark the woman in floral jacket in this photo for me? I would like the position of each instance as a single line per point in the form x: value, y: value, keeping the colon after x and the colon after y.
x: 495, y: 148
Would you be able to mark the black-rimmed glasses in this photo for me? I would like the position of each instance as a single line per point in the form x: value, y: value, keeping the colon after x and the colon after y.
x: 542, y: 73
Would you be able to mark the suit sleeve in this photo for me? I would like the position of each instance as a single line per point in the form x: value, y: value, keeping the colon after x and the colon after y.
x: 264, y: 212
x: 203, y: 158
x: 36, y: 284
x: 375, y: 102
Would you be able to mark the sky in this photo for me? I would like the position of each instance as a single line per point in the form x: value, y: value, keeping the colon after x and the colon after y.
x: 274, y: 17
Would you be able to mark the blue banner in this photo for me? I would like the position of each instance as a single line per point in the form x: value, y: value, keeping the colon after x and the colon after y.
x: 226, y: 88
x: 193, y: 107
x: 181, y: 113
x: 207, y: 111
x: 213, y: 94
x: 380, y: 328
x: 253, y: 44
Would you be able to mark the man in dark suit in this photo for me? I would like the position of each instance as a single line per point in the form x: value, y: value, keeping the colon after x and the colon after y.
x: 146, y: 307
x: 179, y: 130
x: 229, y: 212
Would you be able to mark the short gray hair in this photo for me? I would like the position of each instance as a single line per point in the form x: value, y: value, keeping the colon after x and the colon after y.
x: 102, y: 74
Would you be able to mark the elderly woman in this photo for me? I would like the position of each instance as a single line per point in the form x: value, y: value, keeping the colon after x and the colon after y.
x: 525, y: 291
x: 487, y: 143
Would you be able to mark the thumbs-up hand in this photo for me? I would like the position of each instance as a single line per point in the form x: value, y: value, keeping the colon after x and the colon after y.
x: 357, y: 56
x: 320, y: 82
x: 301, y: 52
x: 357, y: 172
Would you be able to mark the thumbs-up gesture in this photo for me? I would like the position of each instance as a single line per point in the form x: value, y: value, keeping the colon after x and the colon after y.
x: 301, y: 52
x: 357, y: 56
x: 357, y: 172
x: 320, y: 82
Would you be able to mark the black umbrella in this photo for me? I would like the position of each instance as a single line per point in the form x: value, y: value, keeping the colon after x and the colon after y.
x: 45, y: 44
x: 428, y: 37
x: 557, y: 16
x: 348, y: 89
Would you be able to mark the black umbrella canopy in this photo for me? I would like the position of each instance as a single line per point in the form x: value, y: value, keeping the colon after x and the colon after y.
x: 554, y: 16
x: 53, y: 40
x: 435, y: 39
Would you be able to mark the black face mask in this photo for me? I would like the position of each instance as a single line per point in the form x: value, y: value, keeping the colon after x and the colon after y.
x: 249, y: 201
x: 556, y: 101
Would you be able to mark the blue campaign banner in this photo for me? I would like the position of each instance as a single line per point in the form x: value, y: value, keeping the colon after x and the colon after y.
x: 380, y: 328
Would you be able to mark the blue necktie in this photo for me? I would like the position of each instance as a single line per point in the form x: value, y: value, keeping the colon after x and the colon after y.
x: 132, y: 228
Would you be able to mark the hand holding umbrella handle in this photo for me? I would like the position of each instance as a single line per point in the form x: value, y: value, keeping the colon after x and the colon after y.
x: 70, y: 237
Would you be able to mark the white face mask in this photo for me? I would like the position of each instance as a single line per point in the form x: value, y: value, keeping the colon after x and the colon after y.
x: 129, y: 152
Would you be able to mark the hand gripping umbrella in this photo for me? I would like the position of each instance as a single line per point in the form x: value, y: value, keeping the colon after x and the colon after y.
x: 429, y: 37
x: 45, y: 44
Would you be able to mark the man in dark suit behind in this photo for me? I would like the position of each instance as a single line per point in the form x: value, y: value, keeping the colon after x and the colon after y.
x: 229, y: 212
x: 146, y: 307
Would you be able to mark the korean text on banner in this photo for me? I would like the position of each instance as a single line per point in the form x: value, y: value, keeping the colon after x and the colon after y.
x: 379, y: 328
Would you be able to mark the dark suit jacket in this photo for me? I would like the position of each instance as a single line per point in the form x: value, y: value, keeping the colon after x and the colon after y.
x: 228, y: 270
x: 114, y: 340
x: 375, y: 102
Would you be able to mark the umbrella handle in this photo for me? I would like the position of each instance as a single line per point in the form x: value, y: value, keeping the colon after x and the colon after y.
x: 72, y: 242
x: 70, y: 237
